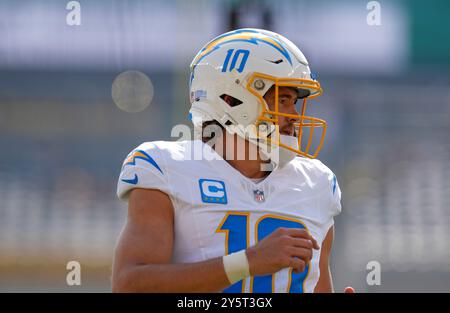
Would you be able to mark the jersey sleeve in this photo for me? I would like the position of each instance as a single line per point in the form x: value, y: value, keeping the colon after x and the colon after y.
x: 143, y: 168
x: 331, y: 201
x: 335, y: 195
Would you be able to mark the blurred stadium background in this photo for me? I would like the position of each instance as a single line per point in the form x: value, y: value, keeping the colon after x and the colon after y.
x: 62, y: 138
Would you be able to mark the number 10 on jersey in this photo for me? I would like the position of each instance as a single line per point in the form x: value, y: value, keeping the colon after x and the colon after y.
x: 236, y: 226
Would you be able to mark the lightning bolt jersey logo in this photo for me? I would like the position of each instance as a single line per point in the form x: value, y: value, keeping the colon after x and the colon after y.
x: 131, y: 161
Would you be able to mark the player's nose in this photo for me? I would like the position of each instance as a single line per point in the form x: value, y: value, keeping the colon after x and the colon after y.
x: 291, y: 109
x: 295, y: 116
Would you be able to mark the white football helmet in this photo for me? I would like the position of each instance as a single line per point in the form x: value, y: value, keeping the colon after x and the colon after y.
x: 245, y: 64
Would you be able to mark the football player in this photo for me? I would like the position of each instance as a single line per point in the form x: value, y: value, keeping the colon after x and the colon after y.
x: 232, y: 221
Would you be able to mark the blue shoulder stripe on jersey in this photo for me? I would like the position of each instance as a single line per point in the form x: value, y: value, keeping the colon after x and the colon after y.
x: 334, y: 183
x: 139, y: 154
x: 133, y: 181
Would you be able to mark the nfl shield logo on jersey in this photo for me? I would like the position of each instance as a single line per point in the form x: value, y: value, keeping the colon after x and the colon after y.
x: 259, y: 195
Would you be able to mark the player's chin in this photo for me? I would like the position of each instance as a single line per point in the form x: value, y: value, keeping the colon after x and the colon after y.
x: 288, y: 130
x: 288, y: 133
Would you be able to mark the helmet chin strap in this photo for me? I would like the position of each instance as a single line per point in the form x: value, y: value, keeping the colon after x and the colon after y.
x: 278, y: 155
x: 285, y: 155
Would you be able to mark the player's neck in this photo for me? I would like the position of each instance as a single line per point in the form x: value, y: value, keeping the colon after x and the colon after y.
x: 242, y: 155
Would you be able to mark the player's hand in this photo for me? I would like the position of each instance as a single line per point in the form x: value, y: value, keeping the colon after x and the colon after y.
x: 285, y: 247
x: 349, y: 290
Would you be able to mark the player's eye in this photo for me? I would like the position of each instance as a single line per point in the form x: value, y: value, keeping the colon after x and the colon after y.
x: 288, y: 101
x: 283, y: 100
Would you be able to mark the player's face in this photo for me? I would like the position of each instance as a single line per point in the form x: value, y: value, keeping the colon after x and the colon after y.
x: 287, y: 103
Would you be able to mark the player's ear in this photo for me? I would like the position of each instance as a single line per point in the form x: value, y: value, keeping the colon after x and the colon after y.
x: 226, y: 98
x: 230, y: 100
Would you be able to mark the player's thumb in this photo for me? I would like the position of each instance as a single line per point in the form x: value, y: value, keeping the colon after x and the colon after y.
x: 349, y: 290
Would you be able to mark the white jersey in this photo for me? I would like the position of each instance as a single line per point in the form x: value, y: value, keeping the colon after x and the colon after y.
x: 219, y: 211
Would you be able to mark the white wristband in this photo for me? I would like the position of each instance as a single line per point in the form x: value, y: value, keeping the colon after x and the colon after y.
x: 236, y: 266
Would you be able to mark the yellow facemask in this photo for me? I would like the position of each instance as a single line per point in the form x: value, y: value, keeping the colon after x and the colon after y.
x: 303, y: 122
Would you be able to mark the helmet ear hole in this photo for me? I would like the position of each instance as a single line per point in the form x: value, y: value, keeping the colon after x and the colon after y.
x: 230, y: 100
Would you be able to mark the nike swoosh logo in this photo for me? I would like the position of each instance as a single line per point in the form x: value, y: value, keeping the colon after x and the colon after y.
x: 133, y: 181
x: 276, y: 62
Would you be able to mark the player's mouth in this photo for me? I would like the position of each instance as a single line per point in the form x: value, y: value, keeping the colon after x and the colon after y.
x: 288, y: 131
